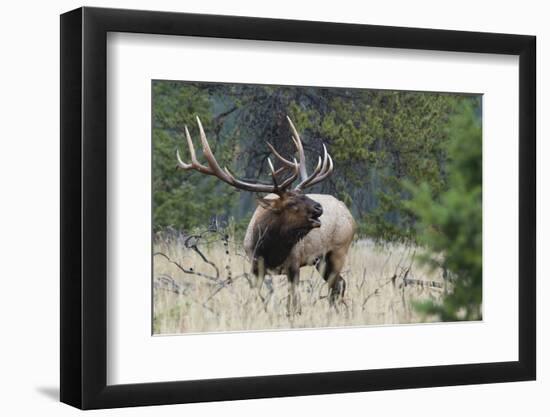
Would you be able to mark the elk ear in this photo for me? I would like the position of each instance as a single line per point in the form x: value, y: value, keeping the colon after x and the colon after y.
x: 269, y: 204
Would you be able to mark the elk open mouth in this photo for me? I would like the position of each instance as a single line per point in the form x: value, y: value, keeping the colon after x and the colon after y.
x: 314, y: 221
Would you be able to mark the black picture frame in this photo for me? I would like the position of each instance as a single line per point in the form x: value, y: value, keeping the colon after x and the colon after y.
x: 84, y: 207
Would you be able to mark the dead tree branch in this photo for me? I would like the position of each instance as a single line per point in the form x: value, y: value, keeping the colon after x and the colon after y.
x: 189, y: 271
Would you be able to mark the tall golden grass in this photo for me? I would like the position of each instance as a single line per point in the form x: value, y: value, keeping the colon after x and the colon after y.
x: 383, y: 282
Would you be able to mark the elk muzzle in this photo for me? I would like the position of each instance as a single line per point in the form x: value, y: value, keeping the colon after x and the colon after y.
x: 316, y: 213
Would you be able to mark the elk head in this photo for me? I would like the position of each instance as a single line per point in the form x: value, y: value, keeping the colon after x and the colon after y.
x: 293, y: 210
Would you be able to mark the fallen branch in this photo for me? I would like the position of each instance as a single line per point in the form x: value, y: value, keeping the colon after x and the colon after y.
x: 422, y: 283
x: 189, y: 271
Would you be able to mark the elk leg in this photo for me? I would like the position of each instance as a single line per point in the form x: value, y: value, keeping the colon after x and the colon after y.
x: 293, y: 275
x: 330, y: 268
x: 258, y: 270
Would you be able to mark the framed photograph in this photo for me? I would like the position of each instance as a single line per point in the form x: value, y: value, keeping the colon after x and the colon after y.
x: 256, y: 208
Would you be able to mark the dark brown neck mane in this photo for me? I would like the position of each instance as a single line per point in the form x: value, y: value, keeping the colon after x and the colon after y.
x: 273, y: 241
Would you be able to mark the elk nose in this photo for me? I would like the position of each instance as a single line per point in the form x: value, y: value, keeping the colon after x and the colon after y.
x: 318, y: 209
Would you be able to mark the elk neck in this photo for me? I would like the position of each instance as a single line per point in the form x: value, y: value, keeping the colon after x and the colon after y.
x: 273, y: 241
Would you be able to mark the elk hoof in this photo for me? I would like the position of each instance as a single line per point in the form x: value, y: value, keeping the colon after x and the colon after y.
x: 336, y: 293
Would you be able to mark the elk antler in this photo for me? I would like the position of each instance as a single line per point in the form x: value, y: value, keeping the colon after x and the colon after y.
x: 225, y: 175
x: 324, y: 167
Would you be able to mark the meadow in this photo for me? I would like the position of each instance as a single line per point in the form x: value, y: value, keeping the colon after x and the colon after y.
x: 202, y: 284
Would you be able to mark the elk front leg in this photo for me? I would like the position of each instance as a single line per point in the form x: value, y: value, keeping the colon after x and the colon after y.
x: 258, y: 272
x: 293, y: 275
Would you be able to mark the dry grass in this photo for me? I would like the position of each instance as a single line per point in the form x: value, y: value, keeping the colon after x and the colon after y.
x: 191, y: 302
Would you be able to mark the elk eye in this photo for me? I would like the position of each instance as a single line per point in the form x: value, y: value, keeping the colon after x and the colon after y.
x: 292, y: 206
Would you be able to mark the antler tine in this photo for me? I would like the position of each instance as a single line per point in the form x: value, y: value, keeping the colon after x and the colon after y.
x: 324, y: 172
x: 292, y: 178
x: 191, y: 147
x: 182, y: 164
x: 301, y: 154
x: 321, y: 171
x: 212, y: 163
x: 282, y: 169
x: 195, y: 164
x: 273, y: 173
x: 305, y: 182
x: 285, y: 161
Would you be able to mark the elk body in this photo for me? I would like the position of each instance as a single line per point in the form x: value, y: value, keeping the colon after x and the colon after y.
x: 289, y: 228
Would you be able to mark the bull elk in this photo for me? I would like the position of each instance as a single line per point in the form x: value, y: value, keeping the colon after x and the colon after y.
x: 289, y: 229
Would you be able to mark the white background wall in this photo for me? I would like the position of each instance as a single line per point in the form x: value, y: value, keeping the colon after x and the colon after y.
x: 29, y: 220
